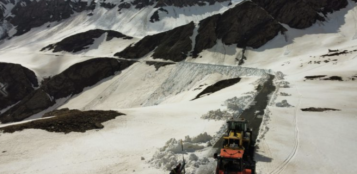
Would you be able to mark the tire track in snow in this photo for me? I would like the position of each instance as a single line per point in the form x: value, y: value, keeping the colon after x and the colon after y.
x: 282, y: 166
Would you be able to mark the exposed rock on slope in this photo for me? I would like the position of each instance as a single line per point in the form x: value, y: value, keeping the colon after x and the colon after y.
x: 182, y: 3
x: 81, y: 41
x: 158, y: 65
x: 28, y: 14
x: 206, y: 37
x: 171, y: 45
x: 300, y: 13
x: 155, y: 16
x: 70, y: 82
x: 2, y: 9
x: 138, y: 4
x: 249, y: 24
x: 246, y: 25
x: 312, y: 109
x: 67, y: 121
x: 107, y: 5
x: 218, y: 86
x: 18, y: 81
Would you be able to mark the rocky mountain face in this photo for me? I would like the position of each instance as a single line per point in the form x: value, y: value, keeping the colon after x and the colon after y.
x: 182, y: 3
x: 16, y: 82
x: 2, y: 8
x: 138, y: 4
x: 70, y: 82
x: 28, y: 14
x: 171, y: 45
x: 81, y: 41
x: 300, y: 14
x: 246, y: 25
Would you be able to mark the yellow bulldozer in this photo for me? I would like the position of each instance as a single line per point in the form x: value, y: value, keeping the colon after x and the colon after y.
x: 237, y: 153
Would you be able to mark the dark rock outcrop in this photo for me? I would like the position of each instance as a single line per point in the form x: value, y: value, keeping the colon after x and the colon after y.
x: 107, y: 5
x: 67, y: 121
x: 334, y: 78
x: 314, y: 77
x: 28, y: 14
x: 323, y: 77
x: 170, y: 45
x: 17, y: 82
x: 81, y: 41
x: 139, y: 4
x: 183, y: 3
x: 2, y: 9
x: 74, y: 79
x: 206, y: 37
x: 155, y: 17
x: 246, y: 25
x: 300, y: 13
x: 123, y: 5
x: 218, y: 86
x: 313, y: 109
x: 70, y: 82
x: 158, y: 65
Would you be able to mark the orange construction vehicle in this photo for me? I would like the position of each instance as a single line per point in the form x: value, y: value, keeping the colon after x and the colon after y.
x: 237, y: 153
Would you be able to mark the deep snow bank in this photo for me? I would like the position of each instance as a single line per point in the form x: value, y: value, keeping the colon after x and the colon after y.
x: 186, y: 75
x: 174, y: 151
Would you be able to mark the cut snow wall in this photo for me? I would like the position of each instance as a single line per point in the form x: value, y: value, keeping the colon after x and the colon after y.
x: 186, y: 74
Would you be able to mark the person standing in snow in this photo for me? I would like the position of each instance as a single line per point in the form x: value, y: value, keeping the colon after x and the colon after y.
x: 176, y: 170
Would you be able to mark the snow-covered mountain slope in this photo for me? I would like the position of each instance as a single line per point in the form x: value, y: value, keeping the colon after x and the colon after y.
x: 132, y: 21
x: 291, y: 140
x: 132, y: 17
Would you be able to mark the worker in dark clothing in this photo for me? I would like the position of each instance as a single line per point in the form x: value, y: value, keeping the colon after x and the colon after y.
x: 176, y: 170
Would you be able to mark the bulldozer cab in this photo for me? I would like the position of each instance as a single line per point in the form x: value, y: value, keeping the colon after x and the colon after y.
x: 238, y: 135
x: 237, y: 125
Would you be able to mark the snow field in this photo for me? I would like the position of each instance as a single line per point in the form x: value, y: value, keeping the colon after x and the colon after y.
x: 294, y: 141
x: 121, y: 144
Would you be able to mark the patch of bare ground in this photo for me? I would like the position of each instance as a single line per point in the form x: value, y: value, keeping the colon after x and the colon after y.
x: 312, y: 109
x: 336, y: 78
x: 67, y: 121
x: 158, y: 65
x: 218, y: 86
x: 337, y: 52
x: 321, y: 77
x: 314, y: 77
